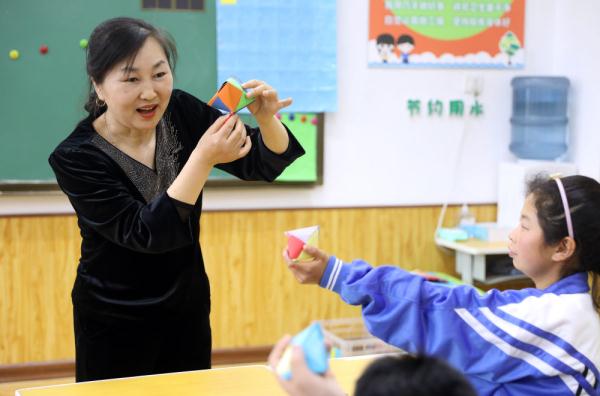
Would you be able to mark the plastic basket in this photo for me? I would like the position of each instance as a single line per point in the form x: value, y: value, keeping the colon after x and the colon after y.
x: 349, y: 337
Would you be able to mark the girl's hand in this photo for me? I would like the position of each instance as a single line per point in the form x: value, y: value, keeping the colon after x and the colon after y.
x: 267, y: 102
x: 224, y: 141
x: 309, y: 271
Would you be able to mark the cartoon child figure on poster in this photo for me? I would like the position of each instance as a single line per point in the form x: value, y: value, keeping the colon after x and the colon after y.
x: 385, y: 47
x: 405, y: 45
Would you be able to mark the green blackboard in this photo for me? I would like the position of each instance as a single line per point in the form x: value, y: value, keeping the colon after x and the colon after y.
x: 42, y: 96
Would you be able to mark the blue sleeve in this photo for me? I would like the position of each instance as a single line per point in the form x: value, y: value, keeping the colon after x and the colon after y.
x: 418, y: 316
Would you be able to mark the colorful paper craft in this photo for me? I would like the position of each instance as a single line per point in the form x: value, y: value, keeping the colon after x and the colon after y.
x: 231, y: 97
x: 312, y: 342
x: 300, y: 237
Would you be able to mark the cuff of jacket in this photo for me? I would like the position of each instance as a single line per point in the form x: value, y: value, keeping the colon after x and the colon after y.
x: 184, y: 209
x: 334, y: 275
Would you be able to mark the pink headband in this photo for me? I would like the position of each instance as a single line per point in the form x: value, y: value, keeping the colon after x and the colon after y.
x: 563, y: 196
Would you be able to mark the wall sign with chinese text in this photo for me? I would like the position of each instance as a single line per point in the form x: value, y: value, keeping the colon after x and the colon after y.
x: 446, y: 33
x: 435, y: 107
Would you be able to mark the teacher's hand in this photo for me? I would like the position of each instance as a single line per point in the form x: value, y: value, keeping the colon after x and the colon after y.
x: 267, y: 102
x: 224, y: 141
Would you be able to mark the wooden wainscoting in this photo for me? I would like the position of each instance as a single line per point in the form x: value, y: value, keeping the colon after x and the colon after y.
x: 255, y: 298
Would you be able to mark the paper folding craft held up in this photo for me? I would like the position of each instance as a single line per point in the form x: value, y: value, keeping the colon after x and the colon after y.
x: 312, y: 342
x: 300, y: 237
x: 231, y: 97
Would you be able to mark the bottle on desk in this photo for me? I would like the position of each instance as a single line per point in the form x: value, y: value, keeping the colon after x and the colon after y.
x: 465, y: 217
x: 466, y: 221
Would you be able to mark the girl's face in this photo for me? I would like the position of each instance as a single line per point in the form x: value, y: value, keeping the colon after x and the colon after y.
x: 527, y: 248
x: 137, y: 97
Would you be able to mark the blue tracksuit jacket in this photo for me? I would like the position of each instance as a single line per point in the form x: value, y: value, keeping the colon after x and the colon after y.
x: 520, y: 342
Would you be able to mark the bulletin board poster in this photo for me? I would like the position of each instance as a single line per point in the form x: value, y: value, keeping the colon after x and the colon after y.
x: 447, y: 33
x: 291, y: 44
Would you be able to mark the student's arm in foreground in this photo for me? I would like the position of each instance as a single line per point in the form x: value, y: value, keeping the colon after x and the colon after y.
x: 303, y: 382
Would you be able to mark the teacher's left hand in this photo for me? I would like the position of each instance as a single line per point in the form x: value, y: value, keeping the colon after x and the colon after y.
x: 267, y: 102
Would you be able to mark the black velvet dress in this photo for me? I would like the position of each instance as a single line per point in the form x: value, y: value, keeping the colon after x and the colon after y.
x: 141, y: 297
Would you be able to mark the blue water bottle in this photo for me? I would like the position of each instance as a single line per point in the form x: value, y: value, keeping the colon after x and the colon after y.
x: 539, y: 117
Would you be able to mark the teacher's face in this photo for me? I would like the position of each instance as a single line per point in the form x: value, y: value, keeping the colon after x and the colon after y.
x: 137, y: 96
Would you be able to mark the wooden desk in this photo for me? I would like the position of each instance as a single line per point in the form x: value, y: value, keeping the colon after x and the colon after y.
x: 240, y: 380
x: 471, y: 255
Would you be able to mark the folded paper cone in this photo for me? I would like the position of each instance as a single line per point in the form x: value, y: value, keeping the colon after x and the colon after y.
x: 300, y: 237
x: 294, y: 247
x: 313, y: 240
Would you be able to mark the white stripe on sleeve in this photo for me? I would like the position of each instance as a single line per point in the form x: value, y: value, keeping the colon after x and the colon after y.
x: 528, y: 337
x: 334, y: 274
x: 517, y: 353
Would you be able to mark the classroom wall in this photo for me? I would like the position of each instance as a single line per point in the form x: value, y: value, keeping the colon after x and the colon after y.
x: 576, y: 56
x: 372, y: 142
x: 255, y: 299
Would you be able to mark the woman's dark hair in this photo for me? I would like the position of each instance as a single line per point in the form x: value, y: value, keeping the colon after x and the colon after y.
x: 116, y: 40
x: 583, y: 196
x: 408, y: 375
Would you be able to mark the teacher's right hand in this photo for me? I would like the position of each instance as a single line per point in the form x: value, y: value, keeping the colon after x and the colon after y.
x: 224, y: 141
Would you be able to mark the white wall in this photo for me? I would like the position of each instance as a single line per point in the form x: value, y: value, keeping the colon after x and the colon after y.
x: 376, y: 155
x: 577, y: 56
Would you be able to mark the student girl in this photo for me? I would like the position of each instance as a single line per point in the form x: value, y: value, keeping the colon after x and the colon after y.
x: 536, y: 341
x: 134, y: 170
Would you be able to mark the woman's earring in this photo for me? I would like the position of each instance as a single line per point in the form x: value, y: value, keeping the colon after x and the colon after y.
x: 100, y: 103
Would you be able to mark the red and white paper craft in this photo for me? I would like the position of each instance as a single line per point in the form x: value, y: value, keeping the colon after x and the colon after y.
x: 298, y: 238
